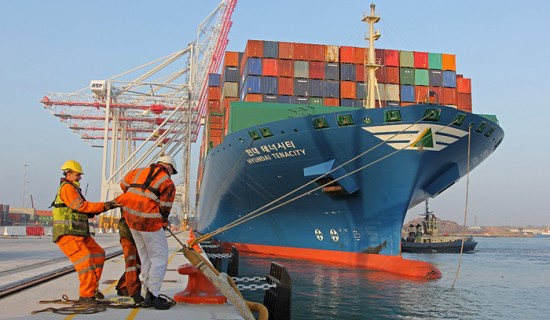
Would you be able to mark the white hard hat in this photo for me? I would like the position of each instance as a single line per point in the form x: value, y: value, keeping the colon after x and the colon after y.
x: 168, y: 160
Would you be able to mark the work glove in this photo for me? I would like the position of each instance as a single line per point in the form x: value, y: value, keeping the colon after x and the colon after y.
x: 111, y: 205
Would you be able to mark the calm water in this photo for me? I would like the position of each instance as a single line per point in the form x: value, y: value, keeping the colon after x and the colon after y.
x: 505, y: 278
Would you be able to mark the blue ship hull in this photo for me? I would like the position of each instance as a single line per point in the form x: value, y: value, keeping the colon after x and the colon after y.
x: 397, y: 162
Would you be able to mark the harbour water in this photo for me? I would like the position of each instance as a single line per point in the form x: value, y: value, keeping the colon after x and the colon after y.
x: 505, y: 278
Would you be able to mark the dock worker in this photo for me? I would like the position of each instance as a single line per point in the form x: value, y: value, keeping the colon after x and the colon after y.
x: 71, y: 231
x: 129, y: 284
x: 147, y: 201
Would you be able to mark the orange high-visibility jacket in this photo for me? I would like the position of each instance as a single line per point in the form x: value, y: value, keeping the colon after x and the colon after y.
x: 148, y: 197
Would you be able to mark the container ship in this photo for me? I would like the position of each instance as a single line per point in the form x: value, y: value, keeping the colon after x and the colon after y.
x: 317, y: 151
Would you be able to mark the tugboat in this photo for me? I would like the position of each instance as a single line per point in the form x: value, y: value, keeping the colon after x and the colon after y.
x: 425, y: 238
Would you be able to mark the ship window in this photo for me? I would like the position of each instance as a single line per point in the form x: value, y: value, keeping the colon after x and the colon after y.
x: 432, y: 115
x: 490, y: 131
x: 367, y: 120
x: 266, y: 132
x: 254, y: 134
x: 320, y: 123
x: 241, y: 140
x: 345, y: 120
x: 459, y: 119
x: 471, y: 125
x: 392, y: 115
x: 481, y: 127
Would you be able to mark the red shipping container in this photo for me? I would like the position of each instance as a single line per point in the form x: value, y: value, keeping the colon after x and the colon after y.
x: 421, y: 60
x: 404, y: 104
x: 286, y: 86
x: 421, y: 94
x: 333, y: 102
x: 316, y: 70
x: 317, y: 52
x: 301, y: 51
x: 286, y: 68
x: 226, y: 103
x: 463, y: 85
x: 347, y: 54
x: 435, y: 94
x: 464, y: 102
x: 286, y: 50
x: 360, y: 73
x: 253, y: 97
x: 270, y: 67
x: 380, y: 74
x: 348, y: 90
x: 392, y: 75
x: 254, y: 48
x: 361, y: 56
x: 379, y: 56
x: 214, y: 93
x: 449, y: 96
x: 231, y: 59
x: 391, y: 58
x: 214, y: 106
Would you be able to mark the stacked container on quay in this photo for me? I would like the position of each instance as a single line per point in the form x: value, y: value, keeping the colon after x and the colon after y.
x: 288, y: 136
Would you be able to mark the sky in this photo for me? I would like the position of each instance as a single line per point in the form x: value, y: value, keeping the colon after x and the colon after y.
x: 60, y: 45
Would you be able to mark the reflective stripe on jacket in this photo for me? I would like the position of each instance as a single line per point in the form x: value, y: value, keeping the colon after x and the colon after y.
x: 147, y: 204
x: 70, y: 211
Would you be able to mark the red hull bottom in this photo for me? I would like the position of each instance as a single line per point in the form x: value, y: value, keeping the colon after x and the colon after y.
x: 392, y: 264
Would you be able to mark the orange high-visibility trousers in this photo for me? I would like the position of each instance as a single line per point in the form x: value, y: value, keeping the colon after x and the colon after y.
x: 87, y: 257
x: 130, y: 278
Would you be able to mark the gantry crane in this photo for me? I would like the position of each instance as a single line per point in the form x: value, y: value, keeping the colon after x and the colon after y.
x: 149, y: 111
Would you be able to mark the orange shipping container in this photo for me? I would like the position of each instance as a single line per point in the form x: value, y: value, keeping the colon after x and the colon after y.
x: 253, y: 97
x: 231, y: 59
x: 347, y: 54
x: 214, y: 93
x: 317, y: 52
x: 464, y: 102
x: 449, y: 96
x: 421, y: 60
x: 270, y: 67
x: 463, y: 85
x: 286, y: 86
x: 360, y: 56
x: 286, y: 68
x: 348, y: 90
x: 301, y: 51
x: 448, y: 62
x: 421, y: 94
x: 435, y: 95
x: 214, y: 106
x: 286, y: 50
x: 254, y: 48
x: 333, y: 102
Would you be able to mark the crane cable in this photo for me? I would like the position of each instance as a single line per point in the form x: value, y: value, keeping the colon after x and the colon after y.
x: 258, y: 212
x: 465, y: 211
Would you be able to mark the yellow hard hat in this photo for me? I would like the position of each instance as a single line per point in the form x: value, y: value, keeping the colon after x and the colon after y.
x: 72, y: 165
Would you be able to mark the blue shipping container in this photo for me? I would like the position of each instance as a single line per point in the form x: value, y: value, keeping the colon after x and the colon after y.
x: 284, y: 99
x: 317, y: 87
x: 332, y: 89
x: 449, y: 79
x: 360, y: 90
x: 407, y: 93
x: 231, y: 74
x: 269, y: 98
x: 252, y: 84
x: 332, y: 71
x: 214, y: 80
x: 299, y: 100
x: 347, y: 102
x: 252, y: 67
x: 436, y: 78
x: 271, y: 49
x: 269, y: 85
x: 301, y: 87
x: 347, y: 72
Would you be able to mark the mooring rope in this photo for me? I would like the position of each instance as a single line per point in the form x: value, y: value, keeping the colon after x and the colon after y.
x: 256, y: 213
x: 83, y: 307
x: 465, y: 211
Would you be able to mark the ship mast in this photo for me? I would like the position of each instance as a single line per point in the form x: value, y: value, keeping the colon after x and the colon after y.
x: 371, y: 64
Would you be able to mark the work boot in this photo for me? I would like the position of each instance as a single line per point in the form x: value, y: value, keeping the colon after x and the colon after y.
x: 87, y: 300
x: 152, y: 301
x: 122, y: 293
x: 99, y: 295
x: 137, y: 298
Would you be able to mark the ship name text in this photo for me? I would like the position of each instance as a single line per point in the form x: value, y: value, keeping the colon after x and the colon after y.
x: 268, y: 152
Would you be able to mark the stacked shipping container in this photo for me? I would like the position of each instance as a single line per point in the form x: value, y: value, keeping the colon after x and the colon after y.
x: 315, y: 74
